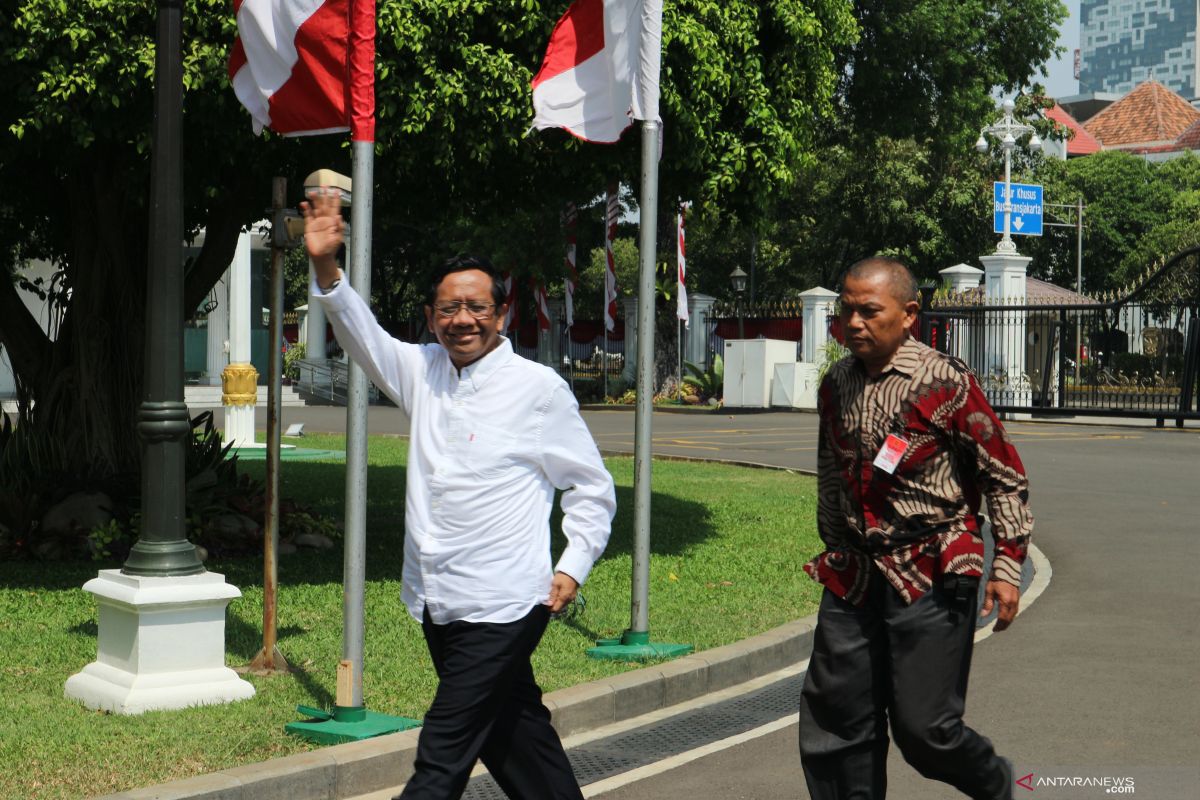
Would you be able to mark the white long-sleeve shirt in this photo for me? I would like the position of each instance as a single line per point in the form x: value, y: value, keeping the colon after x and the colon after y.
x: 488, y: 448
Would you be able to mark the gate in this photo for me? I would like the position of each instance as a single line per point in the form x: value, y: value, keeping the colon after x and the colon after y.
x: 1134, y: 353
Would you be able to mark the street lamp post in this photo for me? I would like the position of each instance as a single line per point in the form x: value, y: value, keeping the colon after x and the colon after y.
x: 738, y: 279
x: 162, y: 549
x: 1007, y: 129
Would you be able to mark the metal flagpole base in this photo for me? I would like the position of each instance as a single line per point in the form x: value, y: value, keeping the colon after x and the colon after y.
x: 636, y: 646
x: 346, y: 724
x: 261, y: 665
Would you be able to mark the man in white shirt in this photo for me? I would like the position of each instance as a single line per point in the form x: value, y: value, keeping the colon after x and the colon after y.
x: 492, y: 436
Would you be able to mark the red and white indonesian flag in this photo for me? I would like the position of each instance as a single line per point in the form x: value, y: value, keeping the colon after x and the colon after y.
x: 681, y: 302
x: 542, y: 304
x: 513, y: 321
x: 305, y: 67
x: 601, y: 69
x: 571, y: 224
x: 612, y: 212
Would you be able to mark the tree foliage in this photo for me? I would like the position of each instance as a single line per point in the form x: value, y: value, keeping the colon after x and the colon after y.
x: 1137, y: 213
x: 745, y: 87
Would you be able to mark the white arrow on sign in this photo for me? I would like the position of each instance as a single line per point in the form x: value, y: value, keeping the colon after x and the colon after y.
x: 1018, y: 223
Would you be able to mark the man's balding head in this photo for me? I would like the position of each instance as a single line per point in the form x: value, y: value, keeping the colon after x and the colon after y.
x: 899, y: 277
x: 877, y: 307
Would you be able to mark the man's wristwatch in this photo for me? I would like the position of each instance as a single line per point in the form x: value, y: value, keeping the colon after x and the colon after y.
x: 330, y: 287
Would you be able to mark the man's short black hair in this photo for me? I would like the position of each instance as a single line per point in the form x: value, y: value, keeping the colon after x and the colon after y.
x: 900, y: 277
x: 462, y: 263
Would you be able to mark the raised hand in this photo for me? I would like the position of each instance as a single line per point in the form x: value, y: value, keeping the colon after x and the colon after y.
x: 323, y: 232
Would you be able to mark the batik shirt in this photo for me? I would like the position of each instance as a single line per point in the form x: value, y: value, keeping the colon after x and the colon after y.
x: 920, y: 521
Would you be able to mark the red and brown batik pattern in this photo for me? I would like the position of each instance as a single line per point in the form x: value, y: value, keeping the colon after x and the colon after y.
x: 921, y: 521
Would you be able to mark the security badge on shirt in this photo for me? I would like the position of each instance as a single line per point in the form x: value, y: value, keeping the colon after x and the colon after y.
x: 894, y: 448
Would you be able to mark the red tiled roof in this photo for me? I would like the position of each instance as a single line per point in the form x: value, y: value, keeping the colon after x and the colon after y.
x: 1149, y: 115
x: 1189, y: 139
x: 1082, y: 143
x: 1038, y: 292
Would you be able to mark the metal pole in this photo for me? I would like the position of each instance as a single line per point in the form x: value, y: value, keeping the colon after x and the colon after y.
x: 354, y: 570
x: 163, y: 549
x: 639, y: 612
x: 1078, y: 286
x: 1006, y: 243
x: 269, y: 658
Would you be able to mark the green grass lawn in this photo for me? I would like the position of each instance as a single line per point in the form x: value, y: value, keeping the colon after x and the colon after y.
x: 728, y: 544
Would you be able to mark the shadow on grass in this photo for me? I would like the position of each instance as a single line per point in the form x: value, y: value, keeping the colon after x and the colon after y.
x: 677, y: 525
x: 244, y: 641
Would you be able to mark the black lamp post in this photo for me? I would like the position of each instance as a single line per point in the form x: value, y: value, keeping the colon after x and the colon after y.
x: 738, y: 279
x: 162, y: 550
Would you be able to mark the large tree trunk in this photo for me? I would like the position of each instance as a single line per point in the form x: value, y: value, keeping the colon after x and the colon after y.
x: 87, y: 396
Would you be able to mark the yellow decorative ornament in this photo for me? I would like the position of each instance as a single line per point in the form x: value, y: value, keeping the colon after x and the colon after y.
x: 239, y: 384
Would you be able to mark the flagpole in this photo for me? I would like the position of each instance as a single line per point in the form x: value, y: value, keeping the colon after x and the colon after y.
x: 350, y: 720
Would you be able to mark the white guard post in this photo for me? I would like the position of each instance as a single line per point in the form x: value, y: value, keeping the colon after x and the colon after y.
x: 161, y: 645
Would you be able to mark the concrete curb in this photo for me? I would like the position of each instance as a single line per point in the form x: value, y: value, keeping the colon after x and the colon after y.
x: 357, y: 768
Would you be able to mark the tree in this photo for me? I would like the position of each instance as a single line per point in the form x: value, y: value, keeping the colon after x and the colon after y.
x: 895, y: 171
x: 744, y: 86
x: 1137, y: 213
x: 928, y: 69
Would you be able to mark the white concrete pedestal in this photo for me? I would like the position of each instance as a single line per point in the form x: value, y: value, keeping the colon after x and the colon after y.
x: 161, y: 645
x: 239, y: 426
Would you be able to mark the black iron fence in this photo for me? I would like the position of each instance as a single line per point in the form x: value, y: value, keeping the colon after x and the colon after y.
x: 1131, y: 354
x: 774, y: 320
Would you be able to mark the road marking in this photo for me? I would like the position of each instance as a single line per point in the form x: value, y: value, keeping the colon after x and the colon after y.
x: 1041, y: 580
x: 667, y: 764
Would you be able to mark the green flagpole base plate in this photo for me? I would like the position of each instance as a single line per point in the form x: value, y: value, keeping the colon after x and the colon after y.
x: 346, y: 724
x: 636, y: 646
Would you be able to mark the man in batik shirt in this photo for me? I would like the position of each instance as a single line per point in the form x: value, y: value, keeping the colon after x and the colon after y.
x: 908, y: 448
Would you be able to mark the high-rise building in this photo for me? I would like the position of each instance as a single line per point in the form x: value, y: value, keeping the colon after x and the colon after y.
x: 1126, y: 42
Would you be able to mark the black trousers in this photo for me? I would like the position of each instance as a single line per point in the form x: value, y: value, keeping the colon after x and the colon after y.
x: 907, y: 663
x: 489, y: 707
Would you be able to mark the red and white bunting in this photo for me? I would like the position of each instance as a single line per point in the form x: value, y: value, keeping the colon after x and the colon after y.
x: 571, y: 225
x: 681, y: 301
x: 601, y: 69
x: 612, y: 212
x: 541, y: 304
x: 514, y: 315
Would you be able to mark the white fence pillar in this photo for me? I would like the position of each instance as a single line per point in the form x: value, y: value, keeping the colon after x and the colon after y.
x: 959, y: 279
x: 1003, y: 372
x: 695, y: 335
x: 818, y: 306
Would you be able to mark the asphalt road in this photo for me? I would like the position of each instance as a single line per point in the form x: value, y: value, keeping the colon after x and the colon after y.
x: 1099, y: 678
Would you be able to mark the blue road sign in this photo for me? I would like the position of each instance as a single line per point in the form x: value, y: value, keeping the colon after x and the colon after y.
x: 1026, y: 209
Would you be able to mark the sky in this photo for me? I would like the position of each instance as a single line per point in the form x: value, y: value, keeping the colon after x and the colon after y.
x: 1061, y: 82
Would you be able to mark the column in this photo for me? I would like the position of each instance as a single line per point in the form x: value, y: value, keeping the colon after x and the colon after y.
x: 314, y: 343
x: 1003, y: 372
x: 818, y: 307
x: 218, y: 334
x: 240, y: 378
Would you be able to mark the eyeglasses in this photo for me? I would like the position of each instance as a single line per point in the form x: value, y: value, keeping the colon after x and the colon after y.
x: 476, y: 310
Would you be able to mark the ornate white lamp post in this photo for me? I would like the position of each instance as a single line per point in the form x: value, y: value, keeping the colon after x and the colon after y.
x: 1007, y: 130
